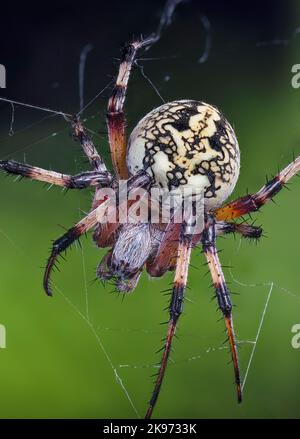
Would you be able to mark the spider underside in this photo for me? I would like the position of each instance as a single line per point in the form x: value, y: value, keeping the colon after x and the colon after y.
x: 182, y: 143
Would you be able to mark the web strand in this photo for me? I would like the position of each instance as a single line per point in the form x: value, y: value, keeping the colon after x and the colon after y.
x: 103, y: 349
x: 35, y: 107
x: 88, y: 322
x: 208, y: 40
x: 257, y: 335
x: 81, y: 74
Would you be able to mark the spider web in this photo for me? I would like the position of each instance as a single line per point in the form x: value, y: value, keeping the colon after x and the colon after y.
x: 84, y: 312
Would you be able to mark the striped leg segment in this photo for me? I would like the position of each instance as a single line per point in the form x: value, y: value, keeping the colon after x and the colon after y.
x: 69, y: 238
x: 251, y: 203
x: 140, y: 180
x: 244, y: 229
x: 222, y: 294
x: 175, y: 310
x: 89, y: 148
x: 116, y: 122
x: 79, y: 181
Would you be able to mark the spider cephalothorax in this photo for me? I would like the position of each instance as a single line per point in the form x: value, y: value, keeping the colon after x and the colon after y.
x: 180, y: 144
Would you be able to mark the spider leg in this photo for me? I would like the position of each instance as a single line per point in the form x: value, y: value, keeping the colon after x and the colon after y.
x: 244, y: 229
x: 89, y: 148
x: 69, y: 238
x: 251, y: 203
x: 115, y: 112
x: 222, y: 293
x: 175, y: 309
x: 164, y: 255
x: 79, y: 181
x: 139, y: 180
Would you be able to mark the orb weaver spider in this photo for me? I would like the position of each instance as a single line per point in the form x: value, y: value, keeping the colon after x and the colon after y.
x: 182, y: 143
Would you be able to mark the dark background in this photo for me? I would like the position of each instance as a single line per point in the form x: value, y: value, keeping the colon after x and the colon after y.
x: 54, y: 364
x: 44, y: 41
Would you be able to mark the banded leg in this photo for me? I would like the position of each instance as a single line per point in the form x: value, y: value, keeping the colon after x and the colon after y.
x: 222, y: 294
x: 79, y: 181
x: 244, y: 229
x: 69, y: 238
x: 251, y: 203
x: 175, y: 309
x: 89, y: 148
x: 116, y: 122
x: 140, y: 180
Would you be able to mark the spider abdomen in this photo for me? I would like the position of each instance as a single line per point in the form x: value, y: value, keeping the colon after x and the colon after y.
x: 187, y: 144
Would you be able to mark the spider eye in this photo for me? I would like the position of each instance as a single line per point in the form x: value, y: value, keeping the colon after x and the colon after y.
x: 187, y: 144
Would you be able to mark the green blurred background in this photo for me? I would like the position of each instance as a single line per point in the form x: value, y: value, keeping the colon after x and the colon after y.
x: 57, y: 364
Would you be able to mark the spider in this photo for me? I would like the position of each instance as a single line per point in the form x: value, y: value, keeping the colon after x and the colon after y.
x: 184, y: 143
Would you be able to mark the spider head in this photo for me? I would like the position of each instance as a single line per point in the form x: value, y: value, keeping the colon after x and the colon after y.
x: 187, y: 144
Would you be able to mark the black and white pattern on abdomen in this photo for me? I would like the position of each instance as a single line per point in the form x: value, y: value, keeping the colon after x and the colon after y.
x: 187, y: 139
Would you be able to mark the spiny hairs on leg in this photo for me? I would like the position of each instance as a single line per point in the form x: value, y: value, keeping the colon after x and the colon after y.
x: 62, y: 243
x: 246, y: 230
x: 222, y: 294
x: 79, y: 181
x: 116, y: 123
x: 251, y: 203
x: 96, y: 161
x: 140, y: 180
x: 175, y: 310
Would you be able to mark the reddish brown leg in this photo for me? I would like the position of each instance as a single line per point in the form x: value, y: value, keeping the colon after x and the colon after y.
x: 116, y: 122
x: 222, y: 293
x: 164, y: 256
x: 140, y: 180
x: 251, y: 203
x: 175, y: 309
